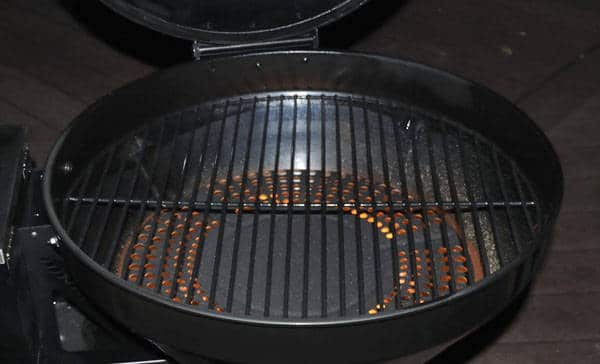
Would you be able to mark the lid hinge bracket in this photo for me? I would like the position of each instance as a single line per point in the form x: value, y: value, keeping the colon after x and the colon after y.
x: 308, y: 41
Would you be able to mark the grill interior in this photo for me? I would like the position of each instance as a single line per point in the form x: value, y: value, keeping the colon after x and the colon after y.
x: 302, y: 207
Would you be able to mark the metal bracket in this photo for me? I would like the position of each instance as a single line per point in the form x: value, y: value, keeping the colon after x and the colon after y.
x: 203, y: 51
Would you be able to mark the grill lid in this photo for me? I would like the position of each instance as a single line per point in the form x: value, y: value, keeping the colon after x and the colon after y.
x: 233, y: 21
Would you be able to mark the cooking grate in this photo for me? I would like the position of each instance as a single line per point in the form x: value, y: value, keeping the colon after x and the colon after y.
x: 302, y: 207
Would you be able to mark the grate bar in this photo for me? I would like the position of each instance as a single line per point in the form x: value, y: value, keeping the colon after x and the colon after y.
x: 143, y: 205
x: 357, y: 226
x: 154, y: 223
x: 503, y: 188
x: 408, y: 215
x: 300, y: 207
x: 436, y: 184
x: 261, y: 164
x: 324, y: 260
x: 388, y: 192
x: 308, y: 193
x: 196, y: 184
x: 238, y: 223
x: 180, y: 193
x: 341, y: 239
x: 215, y: 168
x: 491, y: 211
x: 468, y: 178
x: 469, y: 275
x: 88, y: 221
x: 375, y: 232
x: 107, y: 211
x: 120, y: 226
x: 223, y: 217
x: 84, y: 185
x: 521, y: 193
x: 425, y: 216
x: 269, y: 279
x: 290, y: 216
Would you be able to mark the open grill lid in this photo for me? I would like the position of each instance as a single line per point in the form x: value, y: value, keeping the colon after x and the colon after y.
x: 233, y: 21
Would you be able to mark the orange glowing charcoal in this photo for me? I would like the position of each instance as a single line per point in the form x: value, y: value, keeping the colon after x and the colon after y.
x: 460, y: 259
x: 285, y: 189
x: 461, y: 280
x: 461, y: 269
x: 457, y: 249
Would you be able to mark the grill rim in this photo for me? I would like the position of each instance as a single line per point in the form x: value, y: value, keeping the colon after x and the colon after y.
x: 550, y: 209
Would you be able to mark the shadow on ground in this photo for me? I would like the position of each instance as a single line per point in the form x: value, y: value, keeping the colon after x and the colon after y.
x: 470, y: 346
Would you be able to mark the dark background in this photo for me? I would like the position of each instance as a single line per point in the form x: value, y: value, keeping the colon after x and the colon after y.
x: 57, y: 57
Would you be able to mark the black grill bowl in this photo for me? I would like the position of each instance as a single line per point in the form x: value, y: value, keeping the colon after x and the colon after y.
x: 467, y: 177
